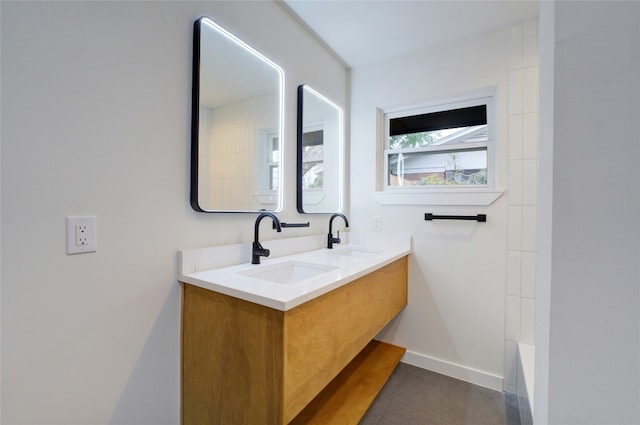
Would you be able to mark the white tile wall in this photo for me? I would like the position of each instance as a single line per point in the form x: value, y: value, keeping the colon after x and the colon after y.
x: 528, y: 276
x: 514, y: 273
x: 530, y: 43
x: 529, y: 227
x: 530, y: 89
x: 514, y: 228
x: 530, y: 135
x: 515, y: 91
x: 516, y: 136
x: 527, y: 320
x: 231, y: 134
x: 516, y: 53
x: 513, y: 318
x: 529, y: 182
x: 515, y: 182
x: 523, y: 172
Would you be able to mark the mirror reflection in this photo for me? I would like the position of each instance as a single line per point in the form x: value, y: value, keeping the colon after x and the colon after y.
x: 237, y: 124
x: 320, y: 153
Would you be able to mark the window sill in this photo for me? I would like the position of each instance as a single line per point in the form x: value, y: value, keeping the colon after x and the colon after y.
x: 471, y: 197
x: 266, y: 198
x: 313, y: 197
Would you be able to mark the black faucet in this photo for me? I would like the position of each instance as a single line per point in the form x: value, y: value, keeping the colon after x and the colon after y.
x: 330, y: 239
x: 258, y: 251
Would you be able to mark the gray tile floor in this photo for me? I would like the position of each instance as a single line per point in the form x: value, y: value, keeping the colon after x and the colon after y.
x: 416, y: 396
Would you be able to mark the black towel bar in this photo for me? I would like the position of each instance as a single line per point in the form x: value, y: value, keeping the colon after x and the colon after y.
x: 282, y: 224
x: 479, y: 218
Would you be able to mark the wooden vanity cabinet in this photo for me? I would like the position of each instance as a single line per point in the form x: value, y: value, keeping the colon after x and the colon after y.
x: 244, y: 363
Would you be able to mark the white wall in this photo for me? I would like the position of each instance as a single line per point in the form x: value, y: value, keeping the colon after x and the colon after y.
x: 96, y: 100
x: 455, y: 320
x: 545, y: 209
x: 594, y: 332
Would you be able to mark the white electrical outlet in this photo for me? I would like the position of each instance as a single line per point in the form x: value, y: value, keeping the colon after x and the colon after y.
x: 81, y: 234
x: 377, y: 223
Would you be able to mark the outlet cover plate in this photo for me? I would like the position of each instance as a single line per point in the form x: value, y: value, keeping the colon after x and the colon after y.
x: 377, y: 223
x: 81, y: 234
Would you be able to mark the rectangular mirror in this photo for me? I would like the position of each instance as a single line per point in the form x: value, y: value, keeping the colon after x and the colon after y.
x: 237, y: 124
x: 320, y: 167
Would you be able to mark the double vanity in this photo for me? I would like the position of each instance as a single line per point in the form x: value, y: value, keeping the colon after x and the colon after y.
x: 282, y: 333
x: 289, y: 340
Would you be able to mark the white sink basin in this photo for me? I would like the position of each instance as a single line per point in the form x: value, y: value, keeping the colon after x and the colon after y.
x: 288, y: 272
x: 356, y: 252
x: 302, y: 270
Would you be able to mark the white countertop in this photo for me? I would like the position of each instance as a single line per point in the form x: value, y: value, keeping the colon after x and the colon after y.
x: 215, y: 268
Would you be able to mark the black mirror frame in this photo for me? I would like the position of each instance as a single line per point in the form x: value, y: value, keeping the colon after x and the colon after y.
x: 195, y: 120
x: 195, y: 116
x: 299, y: 152
x: 299, y: 165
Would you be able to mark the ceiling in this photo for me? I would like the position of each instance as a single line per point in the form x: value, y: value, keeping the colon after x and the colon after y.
x: 361, y: 32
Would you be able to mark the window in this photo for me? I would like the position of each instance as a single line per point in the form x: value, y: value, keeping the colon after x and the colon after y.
x: 443, y: 145
x: 273, y: 156
x: 313, y: 158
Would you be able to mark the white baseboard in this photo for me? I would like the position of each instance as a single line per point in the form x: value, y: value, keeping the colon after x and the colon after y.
x: 463, y: 373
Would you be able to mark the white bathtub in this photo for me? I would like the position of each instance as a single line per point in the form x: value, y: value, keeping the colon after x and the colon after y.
x: 526, y: 362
